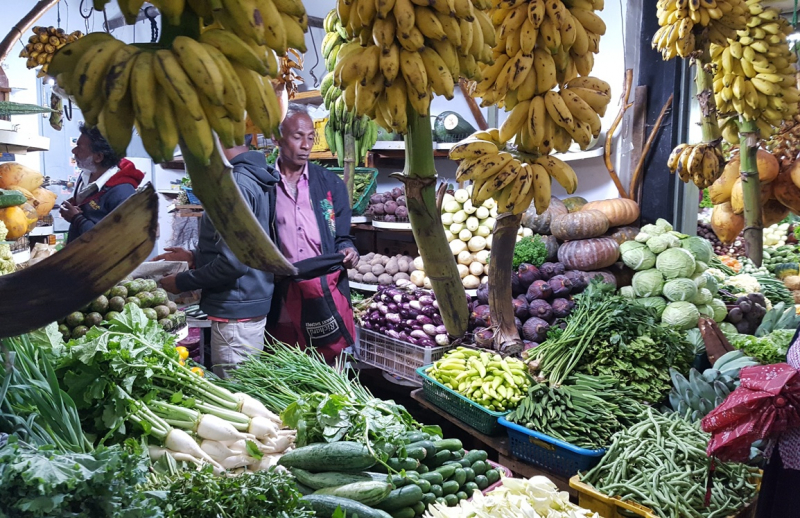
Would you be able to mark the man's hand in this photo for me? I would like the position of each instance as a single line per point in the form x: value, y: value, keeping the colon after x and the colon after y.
x: 170, y: 284
x: 350, y: 257
x: 68, y: 211
x: 176, y: 254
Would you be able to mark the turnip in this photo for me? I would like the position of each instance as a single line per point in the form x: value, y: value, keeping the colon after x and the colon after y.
x: 278, y: 445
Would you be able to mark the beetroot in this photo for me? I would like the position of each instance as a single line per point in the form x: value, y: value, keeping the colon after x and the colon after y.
x: 578, y: 279
x: 528, y: 273
x: 483, y: 293
x: 516, y: 286
x: 562, y: 307
x: 535, y: 330
x: 375, y: 199
x: 541, y: 309
x: 561, y: 285
x: 539, y: 290
x: 390, y: 207
x: 377, y: 209
x: 397, y: 192
x: 520, y: 307
x: 549, y: 270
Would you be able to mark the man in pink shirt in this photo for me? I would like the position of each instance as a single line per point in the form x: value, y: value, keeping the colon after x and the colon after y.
x: 312, y: 212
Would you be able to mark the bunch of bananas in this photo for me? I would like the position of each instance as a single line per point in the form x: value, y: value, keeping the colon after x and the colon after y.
x: 699, y: 163
x: 401, y: 52
x: 683, y: 24
x: 341, y: 120
x: 192, y: 88
x: 43, y: 45
x: 754, y: 75
x: 511, y: 180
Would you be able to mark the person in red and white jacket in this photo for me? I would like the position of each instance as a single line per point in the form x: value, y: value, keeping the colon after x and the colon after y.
x: 106, y: 181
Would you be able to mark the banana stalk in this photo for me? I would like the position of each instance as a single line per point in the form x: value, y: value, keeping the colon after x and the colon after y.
x: 67, y: 281
x: 419, y: 177
x: 751, y: 188
x: 350, y: 164
x: 222, y: 200
x: 705, y: 97
x: 504, y: 237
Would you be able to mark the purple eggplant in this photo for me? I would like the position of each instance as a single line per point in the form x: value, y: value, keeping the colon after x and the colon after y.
x: 426, y: 300
x: 426, y: 342
x: 393, y: 318
x: 539, y: 290
x: 392, y: 334
x: 535, y: 330
x: 541, y: 309
x: 437, y: 319
x: 441, y: 330
x: 561, y: 285
x: 428, y: 311
x: 528, y: 273
x: 423, y: 320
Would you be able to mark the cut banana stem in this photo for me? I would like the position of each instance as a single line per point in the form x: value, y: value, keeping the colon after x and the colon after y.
x: 86, y: 268
x: 751, y: 188
x: 504, y: 237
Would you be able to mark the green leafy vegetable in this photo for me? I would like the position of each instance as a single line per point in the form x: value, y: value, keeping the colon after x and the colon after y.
x: 531, y: 250
x: 768, y: 349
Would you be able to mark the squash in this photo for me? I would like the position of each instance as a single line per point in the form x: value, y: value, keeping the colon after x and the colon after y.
x: 588, y: 254
x: 551, y: 244
x: 737, y: 195
x: 768, y: 166
x: 726, y: 223
x: 574, y: 203
x: 12, y: 173
x: 622, y: 234
x: 720, y: 190
x: 540, y: 224
x: 786, y: 191
x: 619, y: 211
x: 15, y: 221
x: 773, y: 212
x: 583, y: 224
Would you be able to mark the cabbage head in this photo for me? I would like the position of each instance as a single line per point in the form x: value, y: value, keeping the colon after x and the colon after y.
x: 652, y: 230
x: 681, y: 315
x: 700, y: 267
x: 638, y: 257
x: 627, y: 292
x: 720, y: 310
x: 664, y: 225
x: 676, y: 262
x: 728, y: 329
x: 705, y: 310
x: 648, y: 283
x: 701, y: 248
x: 657, y: 303
x: 700, y: 280
x: 658, y: 244
x: 703, y: 297
x: 680, y: 289
x: 712, y: 284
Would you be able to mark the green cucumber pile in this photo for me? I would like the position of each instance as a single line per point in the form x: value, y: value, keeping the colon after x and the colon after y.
x: 424, y: 470
x: 490, y: 380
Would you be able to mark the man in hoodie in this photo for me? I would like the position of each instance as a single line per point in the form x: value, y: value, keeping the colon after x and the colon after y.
x: 235, y: 297
x: 106, y: 181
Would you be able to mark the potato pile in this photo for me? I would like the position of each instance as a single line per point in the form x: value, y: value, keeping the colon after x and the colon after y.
x: 382, y: 269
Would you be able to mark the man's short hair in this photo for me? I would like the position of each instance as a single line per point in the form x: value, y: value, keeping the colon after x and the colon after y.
x: 292, y: 110
x: 98, y: 144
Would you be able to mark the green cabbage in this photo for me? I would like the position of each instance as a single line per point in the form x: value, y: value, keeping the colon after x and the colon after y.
x: 700, y: 267
x: 680, y: 315
x: 637, y: 256
x: 652, y: 230
x: 720, y: 310
x: 712, y: 284
x: 657, y: 303
x: 701, y: 248
x: 664, y: 225
x: 676, y: 262
x: 728, y: 329
x: 627, y: 292
x: 703, y: 297
x: 658, y: 244
x: 680, y: 289
x: 700, y: 280
x: 648, y: 283
x: 705, y: 310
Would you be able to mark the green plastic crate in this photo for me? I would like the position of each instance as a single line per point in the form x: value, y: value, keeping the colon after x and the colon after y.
x: 360, y: 205
x: 460, y: 407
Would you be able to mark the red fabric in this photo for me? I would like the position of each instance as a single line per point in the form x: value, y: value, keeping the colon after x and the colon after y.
x: 766, y: 403
x: 127, y: 174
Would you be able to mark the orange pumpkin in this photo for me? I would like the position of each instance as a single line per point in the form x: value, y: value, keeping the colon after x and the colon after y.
x: 579, y: 225
x: 15, y: 221
x: 589, y: 254
x: 619, y: 211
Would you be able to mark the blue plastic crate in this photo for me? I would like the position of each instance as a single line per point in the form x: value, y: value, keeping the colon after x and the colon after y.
x: 557, y: 457
x: 193, y: 200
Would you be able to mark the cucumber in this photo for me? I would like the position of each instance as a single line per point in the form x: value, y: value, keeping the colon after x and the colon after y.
x: 441, y: 500
x: 430, y: 448
x: 448, y: 444
x: 428, y: 498
x: 333, y: 456
x: 419, y: 508
x: 440, y: 458
x: 462, y: 495
x: 331, y: 479
x: 417, y: 452
x: 460, y: 476
x: 451, y: 500
x: 368, y: 493
x: 405, y: 512
x: 325, y: 505
x: 402, y: 497
x: 436, y: 489
x: 464, y: 463
x: 304, y: 489
x: 469, y: 474
x: 434, y: 477
x: 479, y: 467
x: 456, y: 455
x: 390, y: 449
x: 492, y: 475
x: 400, y: 465
x: 412, y: 437
x: 470, y: 487
x: 413, y: 475
x: 450, y: 487
x: 422, y: 468
x: 446, y: 471
x: 476, y: 455
x: 482, y: 482
x: 423, y: 484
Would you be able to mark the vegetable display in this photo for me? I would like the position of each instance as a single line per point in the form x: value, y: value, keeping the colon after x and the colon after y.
x: 584, y: 411
x: 381, y: 269
x: 389, y: 206
x: 661, y: 463
x: 491, y: 381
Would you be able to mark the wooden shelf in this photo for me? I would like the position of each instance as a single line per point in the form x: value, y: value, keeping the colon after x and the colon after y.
x: 321, y: 155
x: 308, y: 97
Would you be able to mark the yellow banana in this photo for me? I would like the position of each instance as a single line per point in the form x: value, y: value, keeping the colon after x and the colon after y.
x: 167, y: 127
x: 536, y: 120
x: 545, y: 68
x: 514, y: 121
x: 542, y: 188
x: 90, y: 72
x: 200, y: 67
x: 413, y: 70
x: 176, y: 84
x: 117, y: 81
x: 234, y: 48
x: 560, y: 171
x: 558, y: 110
x: 472, y: 148
x: 438, y: 73
x: 275, y: 33
x: 234, y: 96
x: 390, y: 64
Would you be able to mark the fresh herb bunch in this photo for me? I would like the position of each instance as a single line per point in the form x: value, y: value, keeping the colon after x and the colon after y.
x: 768, y: 349
x: 202, y: 494
x: 706, y: 203
x: 531, y: 250
x: 43, y: 482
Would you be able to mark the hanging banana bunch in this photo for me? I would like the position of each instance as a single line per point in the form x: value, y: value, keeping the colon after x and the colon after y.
x: 684, y: 24
x: 540, y: 45
x: 192, y: 88
x: 43, y: 45
x: 342, y: 121
x: 754, y: 76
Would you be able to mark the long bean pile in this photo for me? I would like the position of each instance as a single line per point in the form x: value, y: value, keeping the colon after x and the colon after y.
x: 585, y: 411
x: 661, y: 463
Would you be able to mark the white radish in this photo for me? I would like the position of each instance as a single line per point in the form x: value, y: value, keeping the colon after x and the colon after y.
x: 262, y: 427
x: 179, y: 441
x: 217, y: 429
x: 216, y: 450
x: 238, y: 446
x: 267, y: 461
x: 278, y: 445
x: 251, y: 407
x: 157, y: 452
x: 238, y: 461
x: 287, y: 433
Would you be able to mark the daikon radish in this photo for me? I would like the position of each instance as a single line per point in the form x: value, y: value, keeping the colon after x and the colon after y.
x: 179, y: 441
x: 252, y: 407
x: 262, y: 427
x: 217, y: 429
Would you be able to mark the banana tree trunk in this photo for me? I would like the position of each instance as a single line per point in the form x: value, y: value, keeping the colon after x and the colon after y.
x: 705, y: 98
x: 504, y: 237
x: 419, y: 177
x: 751, y: 187
x: 349, y: 164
